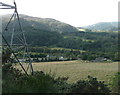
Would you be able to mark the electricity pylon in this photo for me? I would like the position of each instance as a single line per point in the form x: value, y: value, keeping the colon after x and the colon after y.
x: 16, y: 44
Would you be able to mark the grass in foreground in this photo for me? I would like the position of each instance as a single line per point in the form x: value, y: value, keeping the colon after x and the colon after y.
x: 16, y: 82
x: 76, y: 70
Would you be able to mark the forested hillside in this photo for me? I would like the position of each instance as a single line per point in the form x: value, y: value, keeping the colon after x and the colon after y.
x: 52, y: 33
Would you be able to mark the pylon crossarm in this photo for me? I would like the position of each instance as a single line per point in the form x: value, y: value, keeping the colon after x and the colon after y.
x: 6, y: 6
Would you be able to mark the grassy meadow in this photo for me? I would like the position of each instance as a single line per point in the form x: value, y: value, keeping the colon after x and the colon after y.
x: 77, y: 69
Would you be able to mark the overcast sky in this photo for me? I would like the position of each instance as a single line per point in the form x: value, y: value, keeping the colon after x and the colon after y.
x: 75, y: 12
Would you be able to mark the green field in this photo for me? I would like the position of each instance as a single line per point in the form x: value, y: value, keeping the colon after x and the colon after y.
x: 77, y: 70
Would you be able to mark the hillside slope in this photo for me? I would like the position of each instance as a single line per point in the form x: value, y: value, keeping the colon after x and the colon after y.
x: 48, y: 24
x: 104, y: 26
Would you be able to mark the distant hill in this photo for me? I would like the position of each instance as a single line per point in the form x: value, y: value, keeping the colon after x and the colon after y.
x: 104, y: 26
x: 48, y: 24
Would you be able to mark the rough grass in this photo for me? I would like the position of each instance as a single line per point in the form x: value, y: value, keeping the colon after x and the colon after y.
x: 77, y: 70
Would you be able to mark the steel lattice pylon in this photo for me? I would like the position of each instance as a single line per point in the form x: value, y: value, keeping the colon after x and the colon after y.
x: 17, y: 42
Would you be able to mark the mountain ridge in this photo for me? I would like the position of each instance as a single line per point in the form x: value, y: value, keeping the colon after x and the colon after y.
x: 51, y: 24
x: 44, y: 23
x: 103, y: 26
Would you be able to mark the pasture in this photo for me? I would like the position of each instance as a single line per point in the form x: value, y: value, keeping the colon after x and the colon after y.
x: 77, y: 70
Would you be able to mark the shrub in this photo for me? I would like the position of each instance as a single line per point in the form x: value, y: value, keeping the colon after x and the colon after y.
x: 16, y: 82
x: 116, y: 83
x: 92, y: 85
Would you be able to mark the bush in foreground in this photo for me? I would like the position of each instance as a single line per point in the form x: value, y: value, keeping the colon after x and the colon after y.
x: 16, y: 82
x: 116, y: 83
x: 92, y: 85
